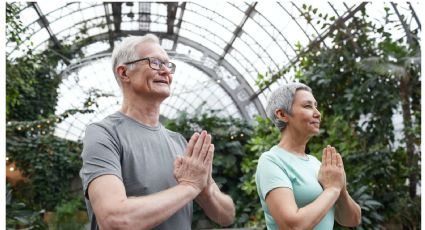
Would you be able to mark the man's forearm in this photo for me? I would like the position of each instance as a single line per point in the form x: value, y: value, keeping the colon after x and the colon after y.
x: 218, y: 206
x: 146, y: 212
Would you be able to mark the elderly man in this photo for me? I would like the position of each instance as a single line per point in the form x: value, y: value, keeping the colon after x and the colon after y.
x: 137, y: 174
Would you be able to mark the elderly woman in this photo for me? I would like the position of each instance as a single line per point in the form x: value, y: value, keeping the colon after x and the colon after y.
x: 296, y: 190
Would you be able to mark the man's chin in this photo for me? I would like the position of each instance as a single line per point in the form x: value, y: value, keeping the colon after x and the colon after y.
x: 163, y: 95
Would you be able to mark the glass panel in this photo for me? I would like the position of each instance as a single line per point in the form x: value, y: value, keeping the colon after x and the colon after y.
x: 266, y: 41
x: 28, y: 16
x: 95, y: 48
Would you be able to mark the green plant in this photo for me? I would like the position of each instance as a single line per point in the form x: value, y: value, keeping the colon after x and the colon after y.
x: 264, y: 136
x: 32, y: 79
x: 18, y: 215
x: 67, y: 215
x: 229, y: 137
x: 362, y: 79
x: 49, y: 162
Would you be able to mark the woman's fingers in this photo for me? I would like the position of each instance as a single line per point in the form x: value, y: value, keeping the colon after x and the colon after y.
x: 339, y: 160
x: 334, y: 156
x: 324, y: 157
x: 328, y: 156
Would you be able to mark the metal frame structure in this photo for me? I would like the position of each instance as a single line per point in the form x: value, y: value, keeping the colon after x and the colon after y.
x: 236, y: 38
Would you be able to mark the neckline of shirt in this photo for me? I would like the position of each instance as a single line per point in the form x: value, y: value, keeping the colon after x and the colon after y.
x: 306, y: 157
x: 153, y: 128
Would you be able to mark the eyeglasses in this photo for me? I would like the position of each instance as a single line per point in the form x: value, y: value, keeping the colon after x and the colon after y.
x: 155, y: 64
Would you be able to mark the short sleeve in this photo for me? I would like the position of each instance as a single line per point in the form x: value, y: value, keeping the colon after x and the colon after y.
x: 270, y: 175
x: 101, y: 155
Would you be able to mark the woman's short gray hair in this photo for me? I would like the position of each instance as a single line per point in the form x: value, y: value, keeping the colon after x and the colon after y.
x: 283, y: 98
x: 127, y: 51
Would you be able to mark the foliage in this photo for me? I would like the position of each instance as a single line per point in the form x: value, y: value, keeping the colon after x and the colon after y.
x: 31, y: 87
x: 49, y: 162
x: 229, y: 137
x: 32, y: 79
x: 66, y: 216
x: 18, y: 215
x: 14, y: 27
x: 357, y: 104
x: 30, y: 83
x: 362, y: 78
x: 264, y: 137
x: 357, y: 79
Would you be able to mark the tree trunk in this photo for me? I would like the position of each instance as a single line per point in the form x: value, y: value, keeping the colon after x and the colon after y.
x: 408, y: 132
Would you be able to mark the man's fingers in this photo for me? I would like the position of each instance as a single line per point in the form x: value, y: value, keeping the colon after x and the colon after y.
x: 177, y: 161
x: 191, y: 144
x: 210, y: 155
x: 198, y: 145
x: 177, y: 164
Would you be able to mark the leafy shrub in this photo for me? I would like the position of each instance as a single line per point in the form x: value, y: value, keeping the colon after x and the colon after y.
x: 19, y: 215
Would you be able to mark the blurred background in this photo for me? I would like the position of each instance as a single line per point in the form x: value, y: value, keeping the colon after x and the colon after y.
x: 362, y: 60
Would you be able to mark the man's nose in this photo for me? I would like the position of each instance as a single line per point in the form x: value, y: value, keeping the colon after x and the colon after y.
x: 164, y: 70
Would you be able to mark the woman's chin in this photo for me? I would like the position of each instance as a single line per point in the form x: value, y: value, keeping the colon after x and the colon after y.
x: 315, y: 132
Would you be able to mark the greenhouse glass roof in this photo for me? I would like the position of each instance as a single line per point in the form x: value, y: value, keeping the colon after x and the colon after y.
x: 219, y: 48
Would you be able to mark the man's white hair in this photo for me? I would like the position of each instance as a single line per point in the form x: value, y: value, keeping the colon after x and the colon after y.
x: 126, y: 51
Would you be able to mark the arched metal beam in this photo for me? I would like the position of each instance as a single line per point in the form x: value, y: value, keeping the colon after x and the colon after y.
x: 109, y: 24
x: 85, y: 61
x: 116, y: 13
x: 171, y: 16
x: 234, y: 94
x: 415, y: 15
x: 90, y: 40
x: 179, y: 25
x: 404, y: 24
x: 245, y: 61
x: 349, y: 14
x: 238, y: 31
x: 45, y: 23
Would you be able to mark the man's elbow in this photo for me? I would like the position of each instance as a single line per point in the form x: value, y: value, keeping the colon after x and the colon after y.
x: 114, y: 220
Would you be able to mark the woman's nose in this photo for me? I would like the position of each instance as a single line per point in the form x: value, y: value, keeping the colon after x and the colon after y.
x: 317, y: 112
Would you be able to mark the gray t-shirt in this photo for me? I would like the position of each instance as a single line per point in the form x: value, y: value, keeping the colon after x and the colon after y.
x: 141, y: 156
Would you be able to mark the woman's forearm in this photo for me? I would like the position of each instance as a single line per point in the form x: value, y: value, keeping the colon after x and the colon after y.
x: 347, y: 212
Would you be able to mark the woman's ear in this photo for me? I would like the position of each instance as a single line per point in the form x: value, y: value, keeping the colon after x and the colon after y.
x: 281, y: 115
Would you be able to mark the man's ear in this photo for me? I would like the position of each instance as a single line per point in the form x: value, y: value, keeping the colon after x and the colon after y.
x: 281, y: 115
x: 122, y: 72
